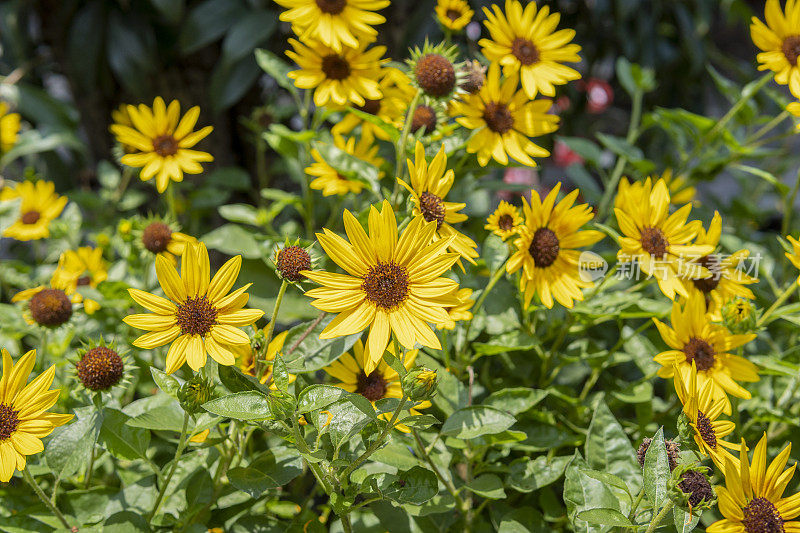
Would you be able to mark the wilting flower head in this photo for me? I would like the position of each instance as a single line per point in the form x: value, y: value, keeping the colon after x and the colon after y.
x: 39, y: 206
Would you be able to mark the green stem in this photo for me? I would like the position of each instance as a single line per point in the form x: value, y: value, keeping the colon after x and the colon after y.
x: 301, y: 443
x: 400, y: 148
x: 271, y: 325
x: 789, y: 206
x: 348, y: 528
x: 659, y: 517
x: 91, y: 467
x: 782, y: 298
x: 446, y: 482
x: 769, y: 126
x: 498, y: 274
x: 40, y: 493
x: 127, y: 174
x: 171, y: 210
x: 636, y: 503
x: 178, y: 452
x: 787, y: 395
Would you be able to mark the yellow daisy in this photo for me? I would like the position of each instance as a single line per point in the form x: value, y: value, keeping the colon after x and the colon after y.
x: 79, y: 268
x: 247, y: 353
x: 462, y: 311
x: 337, y: 77
x: 161, y: 237
x: 752, y: 499
x: 524, y: 42
x: 779, y: 41
x: 200, y: 317
x: 163, y: 140
x: 546, y: 245
x: 680, y: 192
x: 335, y: 23
x: 504, y: 119
x: 429, y: 185
x: 658, y: 241
x: 694, y: 339
x: 329, y: 180
x: 381, y: 382
x: 39, y: 206
x: 794, y: 257
x: 393, y: 282
x: 727, y: 279
x: 505, y: 220
x: 9, y: 128
x: 49, y: 305
x: 24, y: 419
x: 120, y: 116
x: 454, y: 14
x: 703, y: 411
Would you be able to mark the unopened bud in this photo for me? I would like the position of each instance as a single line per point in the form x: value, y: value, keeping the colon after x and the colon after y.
x: 739, y: 316
x: 194, y: 393
x: 281, y: 404
x: 420, y: 384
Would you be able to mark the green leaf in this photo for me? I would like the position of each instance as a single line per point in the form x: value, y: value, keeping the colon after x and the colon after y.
x: 165, y: 382
x: 582, y: 493
x: 524, y: 520
x: 528, y: 475
x: 240, y: 213
x: 199, y: 490
x: 69, y: 447
x: 313, y: 353
x: 233, y: 240
x: 272, y: 470
x: 419, y: 421
x: 167, y: 417
x: 607, y: 517
x: 584, y: 148
x: 247, y: 34
x: 415, y: 486
x: 389, y: 129
x: 348, y: 416
x: 609, y: 479
x: 208, y: 21
x: 317, y: 397
x: 250, y: 405
x: 609, y: 450
x: 474, y: 421
x: 495, y: 252
x: 276, y: 68
x: 515, y: 400
x: 349, y: 165
x: 279, y: 374
x: 237, y: 381
x: 121, y: 440
x: 621, y: 147
x: 684, y: 522
x: 656, y: 471
x: 487, y: 485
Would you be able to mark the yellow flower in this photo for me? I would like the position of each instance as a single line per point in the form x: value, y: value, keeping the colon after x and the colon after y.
x: 381, y: 382
x: 163, y: 140
x: 694, y: 339
x: 660, y: 242
x: 459, y: 312
x: 78, y: 268
x: 161, y: 237
x: 504, y: 119
x: 454, y: 14
x: 337, y: 77
x: 752, y: 499
x: 779, y: 41
x: 680, y: 192
x: 429, y: 185
x: 727, y: 280
x: 49, y: 306
x: 246, y: 354
x: 329, y: 180
x: 703, y: 411
x: 24, y: 419
x: 545, y: 248
x: 9, y: 128
x: 505, y: 220
x: 335, y: 23
x: 393, y: 282
x: 794, y: 257
x: 524, y: 43
x: 39, y: 206
x: 396, y: 91
x: 200, y: 317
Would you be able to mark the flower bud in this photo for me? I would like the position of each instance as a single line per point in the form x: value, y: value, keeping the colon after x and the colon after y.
x: 690, y: 488
x: 194, y: 393
x: 420, y: 384
x: 739, y: 316
x: 281, y: 404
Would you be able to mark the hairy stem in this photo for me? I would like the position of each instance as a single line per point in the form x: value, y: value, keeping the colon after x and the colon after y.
x: 178, y: 452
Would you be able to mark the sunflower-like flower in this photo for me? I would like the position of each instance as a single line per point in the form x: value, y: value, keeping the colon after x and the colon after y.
x: 335, y: 23
x: 161, y: 236
x: 462, y: 311
x: 727, y: 279
x: 9, y: 128
x: 546, y: 251
x: 349, y: 75
x: 49, y: 305
x: 658, y: 241
x: 504, y: 120
x: 454, y: 15
x: 39, y: 206
x: 680, y: 191
x: 200, y: 317
x: 703, y: 412
x: 84, y: 267
x: 435, y: 71
x: 393, y: 282
x: 163, y: 141
x: 247, y: 353
x: 794, y: 256
x: 329, y: 180
x: 380, y: 382
x: 505, y: 220
x: 429, y: 186
x: 779, y: 42
x: 524, y: 43
x: 24, y: 419
x: 752, y: 499
x: 694, y: 339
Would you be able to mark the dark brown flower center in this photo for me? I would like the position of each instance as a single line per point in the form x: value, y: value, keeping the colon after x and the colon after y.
x: 453, y: 14
x: 335, y: 67
x: 432, y: 208
x: 696, y: 485
x: 544, y: 247
x: 100, y: 368
x: 8, y: 421
x: 291, y: 261
x: 475, y: 76
x: 386, y: 285
x: 498, y: 117
x: 654, y: 242
x: 791, y: 49
x: 196, y: 316
x: 701, y: 352
x: 50, y: 307
x: 83, y: 281
x: 370, y: 106
x: 706, y: 430
x: 707, y: 285
x: 30, y: 217
x: 165, y: 145
x: 156, y: 237
x: 424, y: 118
x: 673, y: 450
x: 505, y: 222
x: 372, y: 387
x: 334, y: 7
x: 435, y: 74
x: 761, y: 516
x: 525, y: 51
